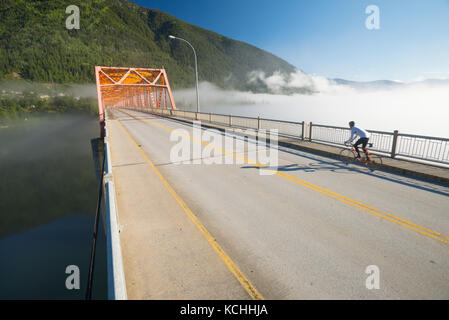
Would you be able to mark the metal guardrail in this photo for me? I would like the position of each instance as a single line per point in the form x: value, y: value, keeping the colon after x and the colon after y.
x: 423, y: 148
x: 382, y: 141
x: 285, y: 128
x: 412, y: 147
x: 394, y: 144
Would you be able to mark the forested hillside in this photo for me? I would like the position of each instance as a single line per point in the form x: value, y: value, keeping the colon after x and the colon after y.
x: 35, y: 45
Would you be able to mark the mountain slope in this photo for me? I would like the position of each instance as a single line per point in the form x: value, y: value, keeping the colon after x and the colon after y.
x: 389, y: 84
x: 35, y: 44
x: 377, y: 84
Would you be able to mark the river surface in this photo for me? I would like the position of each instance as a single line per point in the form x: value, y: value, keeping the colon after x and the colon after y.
x: 48, y: 197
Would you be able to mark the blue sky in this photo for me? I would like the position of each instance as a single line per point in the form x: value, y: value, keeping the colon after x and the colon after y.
x: 329, y: 37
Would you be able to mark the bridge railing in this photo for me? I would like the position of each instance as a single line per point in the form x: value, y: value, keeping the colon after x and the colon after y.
x: 382, y: 141
x: 285, y: 128
x: 393, y: 144
x: 423, y: 148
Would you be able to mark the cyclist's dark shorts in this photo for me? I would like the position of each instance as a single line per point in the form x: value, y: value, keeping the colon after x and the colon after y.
x: 363, y: 142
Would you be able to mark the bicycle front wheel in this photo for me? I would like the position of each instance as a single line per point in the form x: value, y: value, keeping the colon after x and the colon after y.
x: 347, y: 156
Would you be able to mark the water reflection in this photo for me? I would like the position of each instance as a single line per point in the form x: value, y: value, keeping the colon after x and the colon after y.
x: 48, y: 193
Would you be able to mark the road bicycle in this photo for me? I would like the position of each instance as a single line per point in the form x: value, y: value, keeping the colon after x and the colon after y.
x: 349, y: 155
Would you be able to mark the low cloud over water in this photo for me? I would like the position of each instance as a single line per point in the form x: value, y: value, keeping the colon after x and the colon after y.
x: 417, y: 108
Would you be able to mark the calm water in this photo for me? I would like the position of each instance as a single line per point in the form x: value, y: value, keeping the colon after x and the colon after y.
x: 48, y: 195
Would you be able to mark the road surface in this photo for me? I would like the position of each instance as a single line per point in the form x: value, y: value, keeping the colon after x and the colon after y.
x: 311, y: 228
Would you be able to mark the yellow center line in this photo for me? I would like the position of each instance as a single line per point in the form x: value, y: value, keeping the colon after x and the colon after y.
x: 252, y: 291
x: 384, y: 215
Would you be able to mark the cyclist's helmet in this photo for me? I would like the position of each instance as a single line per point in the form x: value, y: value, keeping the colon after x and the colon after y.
x: 352, y: 123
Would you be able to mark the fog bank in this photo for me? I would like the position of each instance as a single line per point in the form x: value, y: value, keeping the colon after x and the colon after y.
x: 415, y: 108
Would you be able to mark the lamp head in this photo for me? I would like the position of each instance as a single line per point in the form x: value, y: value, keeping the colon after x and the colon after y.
x: 171, y: 37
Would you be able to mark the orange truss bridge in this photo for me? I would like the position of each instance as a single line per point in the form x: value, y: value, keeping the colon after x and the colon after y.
x: 139, y: 88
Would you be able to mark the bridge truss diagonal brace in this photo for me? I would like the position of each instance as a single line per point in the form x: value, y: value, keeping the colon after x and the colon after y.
x: 135, y: 88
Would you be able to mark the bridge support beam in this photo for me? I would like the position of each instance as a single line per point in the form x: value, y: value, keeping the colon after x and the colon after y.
x: 137, y: 88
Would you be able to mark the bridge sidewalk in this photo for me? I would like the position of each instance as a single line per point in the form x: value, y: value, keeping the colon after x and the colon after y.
x: 165, y: 256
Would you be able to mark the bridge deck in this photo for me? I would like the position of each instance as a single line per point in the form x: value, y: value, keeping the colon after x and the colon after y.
x: 307, y: 232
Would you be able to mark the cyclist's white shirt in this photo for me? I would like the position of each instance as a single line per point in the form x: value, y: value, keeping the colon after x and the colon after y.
x: 358, y: 132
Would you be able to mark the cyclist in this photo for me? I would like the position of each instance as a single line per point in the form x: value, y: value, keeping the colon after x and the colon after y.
x: 363, y: 138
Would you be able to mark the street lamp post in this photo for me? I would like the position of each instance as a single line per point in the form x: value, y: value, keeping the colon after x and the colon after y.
x: 196, y: 71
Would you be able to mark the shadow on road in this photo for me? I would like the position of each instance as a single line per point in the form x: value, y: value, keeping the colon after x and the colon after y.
x: 337, y: 166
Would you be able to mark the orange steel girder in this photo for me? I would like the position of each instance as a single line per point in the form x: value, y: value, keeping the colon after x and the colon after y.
x: 135, y: 88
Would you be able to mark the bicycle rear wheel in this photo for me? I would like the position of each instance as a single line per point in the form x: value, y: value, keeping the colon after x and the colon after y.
x: 347, y: 156
x: 375, y: 163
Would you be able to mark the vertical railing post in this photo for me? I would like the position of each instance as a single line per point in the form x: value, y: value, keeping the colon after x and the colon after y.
x: 258, y: 123
x: 210, y: 117
x: 303, y: 129
x: 395, y: 143
x: 310, y: 131
x: 230, y: 120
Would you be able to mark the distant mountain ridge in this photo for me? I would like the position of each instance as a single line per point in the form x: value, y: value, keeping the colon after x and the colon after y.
x: 385, y: 84
x: 35, y: 45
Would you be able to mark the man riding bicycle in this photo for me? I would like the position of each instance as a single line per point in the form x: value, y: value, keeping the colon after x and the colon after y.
x: 363, y: 138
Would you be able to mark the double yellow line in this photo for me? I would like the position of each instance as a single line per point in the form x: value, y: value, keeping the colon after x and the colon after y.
x: 387, y: 216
